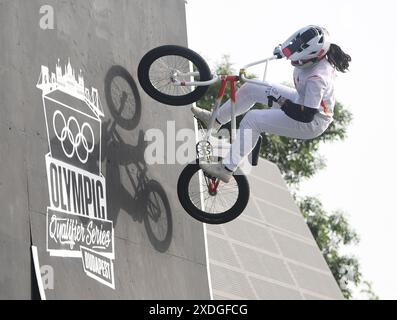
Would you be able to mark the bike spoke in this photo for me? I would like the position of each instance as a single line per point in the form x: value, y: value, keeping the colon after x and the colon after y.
x: 225, y: 197
x: 211, y: 208
x: 162, y: 71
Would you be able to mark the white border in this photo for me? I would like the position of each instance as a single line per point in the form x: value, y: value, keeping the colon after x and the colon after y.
x: 204, y: 225
x: 38, y: 273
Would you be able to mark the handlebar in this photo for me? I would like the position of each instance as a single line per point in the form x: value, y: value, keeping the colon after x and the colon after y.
x: 215, y: 77
x: 243, y: 71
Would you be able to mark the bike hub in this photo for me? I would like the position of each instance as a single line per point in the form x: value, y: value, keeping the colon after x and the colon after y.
x: 213, y: 187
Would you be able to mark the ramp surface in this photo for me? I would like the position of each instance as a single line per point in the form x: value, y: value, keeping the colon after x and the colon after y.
x: 106, y: 225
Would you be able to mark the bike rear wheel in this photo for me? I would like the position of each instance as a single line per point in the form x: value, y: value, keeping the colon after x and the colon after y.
x: 159, y: 66
x: 225, y: 205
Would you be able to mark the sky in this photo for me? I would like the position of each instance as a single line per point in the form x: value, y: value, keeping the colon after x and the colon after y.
x: 360, y: 177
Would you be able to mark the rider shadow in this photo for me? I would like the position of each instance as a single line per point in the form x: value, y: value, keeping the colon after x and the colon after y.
x: 128, y: 186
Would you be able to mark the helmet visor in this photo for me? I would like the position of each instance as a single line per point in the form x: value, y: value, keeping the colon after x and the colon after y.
x: 299, y: 42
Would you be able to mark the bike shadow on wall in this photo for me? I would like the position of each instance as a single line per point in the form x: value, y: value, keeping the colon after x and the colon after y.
x: 128, y: 183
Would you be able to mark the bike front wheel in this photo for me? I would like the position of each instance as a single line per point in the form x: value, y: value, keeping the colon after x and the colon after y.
x: 208, y: 204
x: 160, y: 67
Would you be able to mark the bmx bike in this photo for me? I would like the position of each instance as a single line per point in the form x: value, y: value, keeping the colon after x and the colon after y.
x: 178, y: 76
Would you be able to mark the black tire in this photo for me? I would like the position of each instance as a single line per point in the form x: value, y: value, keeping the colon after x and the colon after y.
x: 212, y: 218
x: 149, y: 59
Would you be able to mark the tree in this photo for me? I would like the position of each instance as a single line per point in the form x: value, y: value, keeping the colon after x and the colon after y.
x: 298, y: 159
x: 367, y: 291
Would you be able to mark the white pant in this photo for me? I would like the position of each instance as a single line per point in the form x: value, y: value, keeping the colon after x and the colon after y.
x: 273, y: 121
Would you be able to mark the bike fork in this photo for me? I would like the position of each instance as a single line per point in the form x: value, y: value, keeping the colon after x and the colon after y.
x: 221, y: 92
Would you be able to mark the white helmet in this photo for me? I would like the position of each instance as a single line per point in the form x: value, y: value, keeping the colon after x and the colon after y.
x: 306, y: 46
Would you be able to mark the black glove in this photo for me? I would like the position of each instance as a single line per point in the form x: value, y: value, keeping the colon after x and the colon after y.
x: 274, y: 96
x: 278, y: 52
x: 271, y: 99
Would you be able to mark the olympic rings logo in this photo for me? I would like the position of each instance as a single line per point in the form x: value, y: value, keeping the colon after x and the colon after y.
x: 78, y: 141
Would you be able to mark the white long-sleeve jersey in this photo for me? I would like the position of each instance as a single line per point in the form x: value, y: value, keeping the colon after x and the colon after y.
x: 315, y: 87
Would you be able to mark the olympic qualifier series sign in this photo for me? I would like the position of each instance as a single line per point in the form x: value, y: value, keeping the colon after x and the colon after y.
x: 77, y: 223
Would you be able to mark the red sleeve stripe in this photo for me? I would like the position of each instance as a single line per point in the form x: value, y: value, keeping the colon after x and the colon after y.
x: 324, y: 106
x: 287, y: 52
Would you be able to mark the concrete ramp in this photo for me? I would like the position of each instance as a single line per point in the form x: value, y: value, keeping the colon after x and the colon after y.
x: 73, y: 179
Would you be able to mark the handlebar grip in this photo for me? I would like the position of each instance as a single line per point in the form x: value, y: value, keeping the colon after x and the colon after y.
x: 270, y: 100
